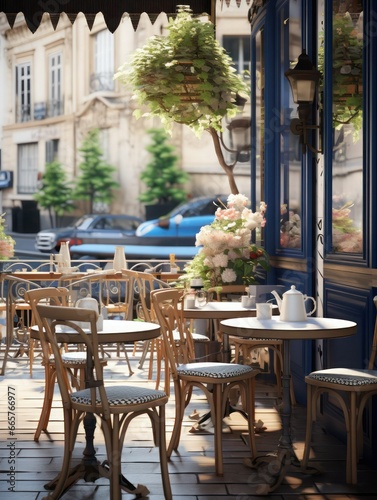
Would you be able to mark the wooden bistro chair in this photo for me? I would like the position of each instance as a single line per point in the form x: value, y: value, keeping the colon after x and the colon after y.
x: 186, y: 375
x: 246, y: 348
x: 145, y: 284
x: 114, y: 293
x: 13, y: 303
x: 115, y: 405
x: 351, y: 388
x: 74, y: 362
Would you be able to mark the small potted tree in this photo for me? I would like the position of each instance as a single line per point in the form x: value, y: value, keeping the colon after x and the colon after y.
x: 186, y: 77
x: 162, y: 177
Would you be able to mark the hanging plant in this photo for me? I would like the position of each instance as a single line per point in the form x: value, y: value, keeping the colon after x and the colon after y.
x: 185, y: 77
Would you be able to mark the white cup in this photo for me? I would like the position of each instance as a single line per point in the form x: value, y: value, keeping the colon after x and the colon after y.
x: 190, y: 303
x: 264, y: 311
x: 247, y: 302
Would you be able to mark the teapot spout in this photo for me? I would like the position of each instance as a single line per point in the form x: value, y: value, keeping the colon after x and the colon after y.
x: 277, y: 298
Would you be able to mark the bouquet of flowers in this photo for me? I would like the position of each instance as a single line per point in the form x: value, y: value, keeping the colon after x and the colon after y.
x: 227, y: 255
x: 6, y: 242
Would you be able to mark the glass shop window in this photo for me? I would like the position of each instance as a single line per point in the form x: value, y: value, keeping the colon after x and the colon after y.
x: 347, y: 156
x: 259, y: 115
x: 291, y: 154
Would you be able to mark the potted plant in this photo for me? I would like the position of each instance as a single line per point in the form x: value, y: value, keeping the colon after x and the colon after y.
x: 186, y: 77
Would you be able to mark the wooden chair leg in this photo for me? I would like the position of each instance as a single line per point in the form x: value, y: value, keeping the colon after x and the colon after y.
x: 50, y: 377
x: 163, y: 455
x: 218, y: 423
x: 353, y: 440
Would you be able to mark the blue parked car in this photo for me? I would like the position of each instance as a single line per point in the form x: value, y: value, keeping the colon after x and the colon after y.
x: 185, y: 220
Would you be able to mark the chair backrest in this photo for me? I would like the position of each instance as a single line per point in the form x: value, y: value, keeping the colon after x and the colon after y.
x: 146, y: 283
x: 178, y: 343
x: 108, y: 289
x: 223, y: 292
x: 49, y: 295
x: 56, y: 319
x: 119, y: 292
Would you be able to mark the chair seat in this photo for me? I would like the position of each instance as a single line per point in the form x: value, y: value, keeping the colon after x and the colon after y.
x: 74, y: 357
x: 344, y: 376
x: 214, y: 370
x: 198, y: 337
x: 120, y: 395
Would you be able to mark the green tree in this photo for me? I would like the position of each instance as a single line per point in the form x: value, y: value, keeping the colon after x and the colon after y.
x: 162, y: 176
x: 95, y: 183
x: 55, y: 194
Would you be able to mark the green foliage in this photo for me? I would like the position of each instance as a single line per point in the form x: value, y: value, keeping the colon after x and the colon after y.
x: 161, y: 175
x: 55, y: 194
x: 95, y: 183
x: 184, y: 77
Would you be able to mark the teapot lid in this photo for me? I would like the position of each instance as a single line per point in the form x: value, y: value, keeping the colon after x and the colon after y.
x: 292, y: 291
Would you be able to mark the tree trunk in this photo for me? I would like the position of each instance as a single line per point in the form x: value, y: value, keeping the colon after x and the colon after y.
x: 228, y: 169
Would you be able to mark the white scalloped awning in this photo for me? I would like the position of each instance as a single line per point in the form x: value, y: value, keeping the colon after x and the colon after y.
x: 112, y: 10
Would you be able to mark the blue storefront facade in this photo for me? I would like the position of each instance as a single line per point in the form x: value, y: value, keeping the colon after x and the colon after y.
x: 322, y: 209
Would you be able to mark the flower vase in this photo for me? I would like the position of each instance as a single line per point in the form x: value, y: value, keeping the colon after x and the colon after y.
x: 119, y: 259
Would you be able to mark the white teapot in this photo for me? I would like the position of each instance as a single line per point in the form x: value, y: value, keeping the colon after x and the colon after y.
x: 292, y: 305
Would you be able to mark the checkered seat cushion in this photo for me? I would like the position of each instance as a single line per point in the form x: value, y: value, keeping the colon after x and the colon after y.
x: 74, y: 357
x: 214, y: 370
x: 120, y: 395
x: 196, y: 337
x: 344, y: 376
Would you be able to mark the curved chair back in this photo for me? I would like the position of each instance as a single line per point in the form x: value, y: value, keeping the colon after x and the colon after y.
x: 146, y: 283
x: 54, y: 319
x: 178, y: 343
x: 49, y: 295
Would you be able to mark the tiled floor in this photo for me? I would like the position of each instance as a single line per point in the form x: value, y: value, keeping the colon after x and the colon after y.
x: 191, y: 471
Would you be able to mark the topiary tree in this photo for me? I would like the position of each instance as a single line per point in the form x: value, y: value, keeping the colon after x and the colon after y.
x: 162, y: 176
x: 187, y: 77
x: 95, y: 183
x: 55, y: 193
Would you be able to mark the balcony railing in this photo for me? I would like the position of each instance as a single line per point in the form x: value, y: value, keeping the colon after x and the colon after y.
x: 23, y: 113
x: 55, y: 108
x: 101, y: 81
x: 48, y: 109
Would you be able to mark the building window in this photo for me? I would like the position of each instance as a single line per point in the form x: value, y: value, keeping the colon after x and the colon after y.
x: 27, y: 168
x: 52, y: 150
x: 23, y: 92
x: 238, y: 47
x: 55, y: 103
x: 102, y: 78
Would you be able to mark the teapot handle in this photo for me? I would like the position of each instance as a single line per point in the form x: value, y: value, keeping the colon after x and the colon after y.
x: 314, y: 305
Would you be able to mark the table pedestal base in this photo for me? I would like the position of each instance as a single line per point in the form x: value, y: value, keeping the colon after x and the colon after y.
x: 90, y: 469
x: 92, y: 473
x: 272, y: 469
